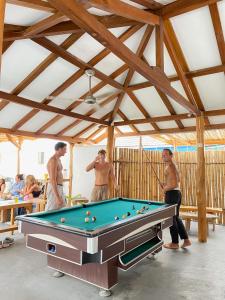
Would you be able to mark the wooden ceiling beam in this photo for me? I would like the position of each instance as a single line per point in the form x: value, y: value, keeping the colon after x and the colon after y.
x: 151, y: 4
x: 215, y: 16
x: 34, y: 4
x: 90, y: 24
x: 183, y: 6
x: 24, y: 133
x: 175, y: 130
x: 49, y: 45
x: 44, y: 24
x: 10, y: 139
x: 181, y: 66
x: 44, y: 107
x: 126, y: 10
x: 69, y: 27
x: 2, y: 17
x: 210, y: 113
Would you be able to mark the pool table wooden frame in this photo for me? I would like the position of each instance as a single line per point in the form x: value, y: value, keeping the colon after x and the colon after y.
x: 95, y: 256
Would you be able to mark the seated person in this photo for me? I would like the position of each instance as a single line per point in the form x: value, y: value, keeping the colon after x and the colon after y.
x: 2, y: 187
x: 31, y: 189
x: 17, y: 187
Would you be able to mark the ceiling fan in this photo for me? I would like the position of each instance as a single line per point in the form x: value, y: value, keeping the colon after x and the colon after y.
x: 89, y: 98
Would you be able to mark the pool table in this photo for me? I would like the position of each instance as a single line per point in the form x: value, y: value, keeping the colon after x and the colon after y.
x: 94, y: 251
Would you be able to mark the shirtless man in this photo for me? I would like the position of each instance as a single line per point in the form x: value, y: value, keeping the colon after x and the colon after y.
x: 55, y: 196
x: 103, y: 172
x: 173, y: 196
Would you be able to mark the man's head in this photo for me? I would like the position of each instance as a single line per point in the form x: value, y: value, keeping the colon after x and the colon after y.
x: 167, y: 155
x: 60, y: 148
x: 19, y: 177
x: 102, y: 154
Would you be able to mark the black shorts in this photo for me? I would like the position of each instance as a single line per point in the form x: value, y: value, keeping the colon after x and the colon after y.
x: 173, y: 197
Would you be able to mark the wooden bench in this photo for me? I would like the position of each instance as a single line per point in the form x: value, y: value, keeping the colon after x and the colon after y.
x: 193, y: 216
x: 220, y: 212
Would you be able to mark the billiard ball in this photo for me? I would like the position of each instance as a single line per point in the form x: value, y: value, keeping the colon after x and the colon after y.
x: 86, y: 220
x: 124, y: 216
x: 128, y: 213
x: 138, y: 212
x: 93, y: 219
x: 116, y: 218
x: 62, y: 220
x: 88, y: 213
x: 143, y: 207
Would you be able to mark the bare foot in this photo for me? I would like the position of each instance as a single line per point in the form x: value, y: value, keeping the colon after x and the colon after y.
x: 171, y: 246
x: 186, y: 243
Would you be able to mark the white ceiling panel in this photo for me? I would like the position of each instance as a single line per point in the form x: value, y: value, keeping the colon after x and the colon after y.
x: 18, y: 15
x: 217, y: 120
x: 86, y: 47
x: 109, y: 64
x: 59, y: 125
x: 19, y: 61
x: 212, y: 90
x: 130, y: 109
x: 12, y: 113
x: 77, y: 128
x: 166, y: 125
x: 43, y: 85
x: 144, y: 127
x: 151, y: 101
x: 38, y: 121
x: 196, y: 36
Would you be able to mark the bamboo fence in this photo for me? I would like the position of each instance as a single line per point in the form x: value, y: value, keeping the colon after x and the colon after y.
x: 137, y: 180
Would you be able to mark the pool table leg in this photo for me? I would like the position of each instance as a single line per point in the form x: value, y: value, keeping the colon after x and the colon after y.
x: 104, y: 275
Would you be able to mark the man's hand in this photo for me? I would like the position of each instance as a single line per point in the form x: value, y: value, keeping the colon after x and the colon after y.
x: 96, y: 158
x: 60, y: 202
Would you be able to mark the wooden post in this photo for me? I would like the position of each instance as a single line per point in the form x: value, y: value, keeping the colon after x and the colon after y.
x: 110, y: 147
x: 200, y: 181
x: 2, y: 16
x: 71, y: 173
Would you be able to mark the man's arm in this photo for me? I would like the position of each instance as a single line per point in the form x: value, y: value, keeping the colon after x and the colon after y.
x: 53, y: 179
x: 91, y: 166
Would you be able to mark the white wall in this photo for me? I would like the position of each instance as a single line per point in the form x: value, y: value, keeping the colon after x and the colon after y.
x: 83, y: 181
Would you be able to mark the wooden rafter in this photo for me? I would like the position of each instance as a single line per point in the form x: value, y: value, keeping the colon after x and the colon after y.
x: 45, y: 136
x: 69, y: 27
x: 218, y: 30
x: 2, y: 16
x: 10, y: 139
x: 210, y: 113
x: 83, y: 19
x: 183, y: 6
x: 44, y: 24
x: 154, y: 5
x: 126, y: 10
x: 125, y: 118
x: 181, y: 66
x: 44, y: 107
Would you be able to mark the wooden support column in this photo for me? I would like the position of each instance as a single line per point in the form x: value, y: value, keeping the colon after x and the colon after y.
x: 159, y: 45
x: 2, y: 16
x: 71, y: 173
x: 18, y: 163
x: 201, y: 188
x: 110, y: 148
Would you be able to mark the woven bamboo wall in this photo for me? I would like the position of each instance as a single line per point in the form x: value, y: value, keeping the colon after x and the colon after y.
x: 137, y: 179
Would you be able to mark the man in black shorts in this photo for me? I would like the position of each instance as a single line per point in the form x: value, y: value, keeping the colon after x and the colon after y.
x: 173, y: 196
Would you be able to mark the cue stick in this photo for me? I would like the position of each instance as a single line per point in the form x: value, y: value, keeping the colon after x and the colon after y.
x: 153, y: 169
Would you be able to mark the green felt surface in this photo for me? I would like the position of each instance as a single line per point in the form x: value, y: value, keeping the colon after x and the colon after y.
x: 104, y: 212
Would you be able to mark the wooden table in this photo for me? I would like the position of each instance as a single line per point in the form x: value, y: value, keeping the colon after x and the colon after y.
x: 210, y: 210
x: 6, y: 205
